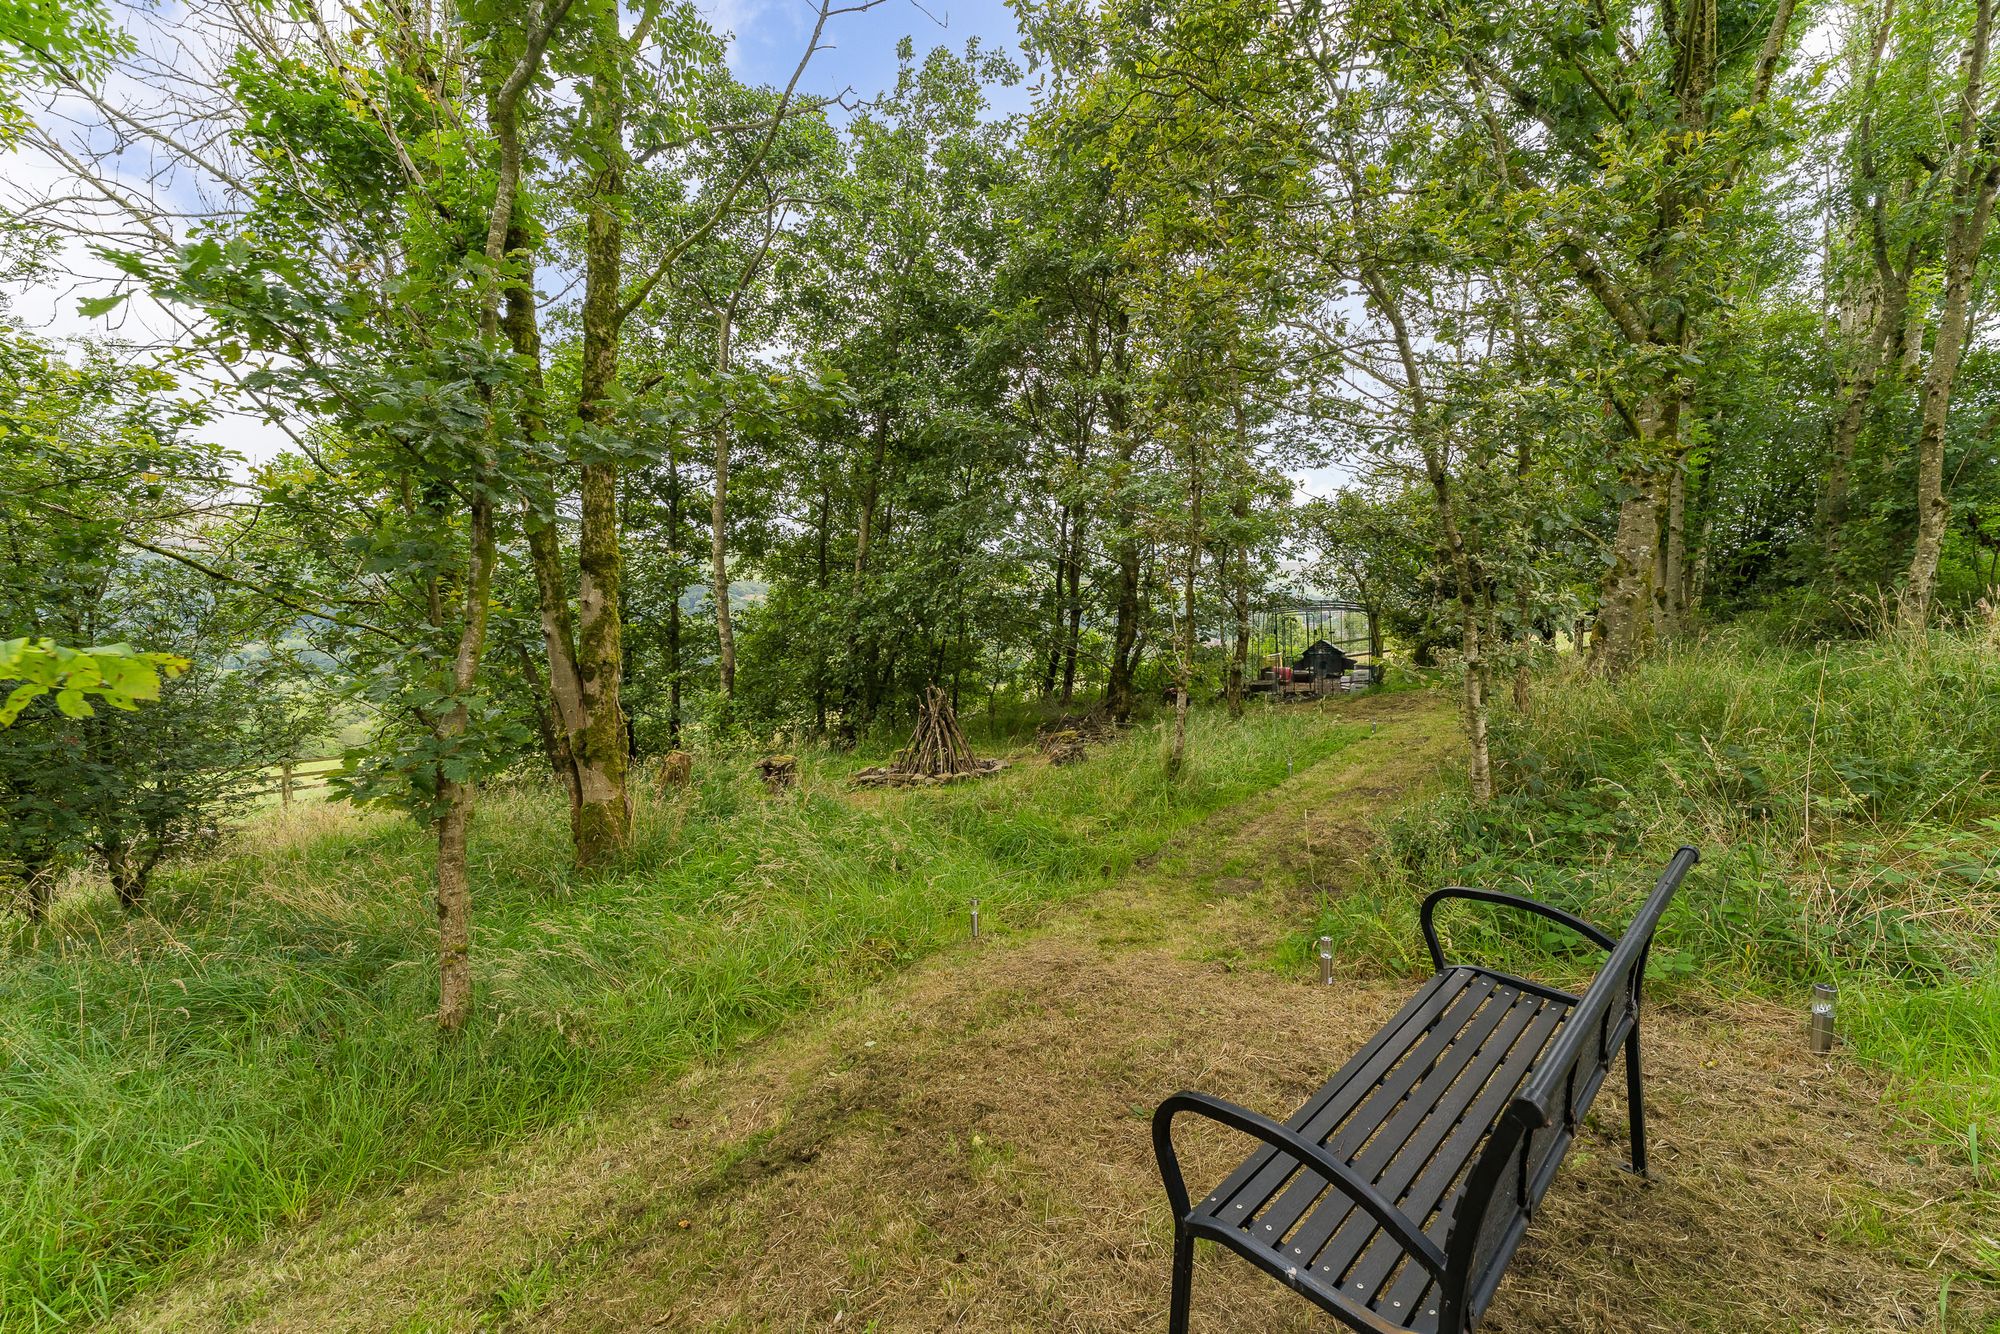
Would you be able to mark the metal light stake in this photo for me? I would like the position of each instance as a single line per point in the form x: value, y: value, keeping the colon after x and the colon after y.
x: 975, y: 919
x: 1822, y: 1018
x: 1326, y: 961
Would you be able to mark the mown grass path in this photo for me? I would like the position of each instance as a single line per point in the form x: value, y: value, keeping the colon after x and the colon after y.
x: 966, y: 1145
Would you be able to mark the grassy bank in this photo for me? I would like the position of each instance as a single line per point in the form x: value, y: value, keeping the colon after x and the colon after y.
x: 255, y: 1046
x: 1846, y: 800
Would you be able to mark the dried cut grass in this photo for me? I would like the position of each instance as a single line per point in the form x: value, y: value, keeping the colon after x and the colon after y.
x: 971, y: 1152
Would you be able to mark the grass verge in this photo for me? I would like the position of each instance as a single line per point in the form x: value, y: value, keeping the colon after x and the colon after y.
x: 1846, y: 801
x: 255, y: 1045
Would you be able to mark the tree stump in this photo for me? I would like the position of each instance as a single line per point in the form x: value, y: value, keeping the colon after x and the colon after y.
x: 779, y: 772
x: 676, y: 771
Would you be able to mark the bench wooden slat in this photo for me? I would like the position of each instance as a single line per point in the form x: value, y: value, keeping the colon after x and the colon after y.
x: 1427, y: 1189
x: 1442, y: 1133
x: 1425, y: 1199
x: 1448, y: 1135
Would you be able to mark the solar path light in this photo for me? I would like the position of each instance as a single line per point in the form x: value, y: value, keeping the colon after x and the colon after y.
x: 1822, y: 1018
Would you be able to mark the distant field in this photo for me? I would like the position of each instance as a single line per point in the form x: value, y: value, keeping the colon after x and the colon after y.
x: 308, y: 783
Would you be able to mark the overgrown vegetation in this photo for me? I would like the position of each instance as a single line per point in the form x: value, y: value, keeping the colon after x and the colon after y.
x: 1846, y: 801
x: 256, y: 1043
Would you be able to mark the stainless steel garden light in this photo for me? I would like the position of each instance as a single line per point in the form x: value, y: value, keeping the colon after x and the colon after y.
x: 1822, y: 1018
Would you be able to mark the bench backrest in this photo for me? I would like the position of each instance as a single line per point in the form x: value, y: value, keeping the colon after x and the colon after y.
x: 1520, y: 1158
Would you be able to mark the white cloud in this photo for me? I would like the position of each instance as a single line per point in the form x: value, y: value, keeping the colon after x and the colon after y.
x: 48, y: 305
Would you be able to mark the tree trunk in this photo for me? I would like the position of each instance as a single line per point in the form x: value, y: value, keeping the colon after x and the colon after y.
x: 1479, y: 769
x: 128, y: 880
x: 1625, y: 596
x: 456, y: 797
x: 285, y: 784
x: 454, y: 906
x: 521, y: 323
x: 1239, y: 655
x: 1239, y: 566
x: 1056, y: 607
x: 604, y: 816
x: 1857, y: 388
x: 1698, y: 576
x: 718, y: 548
x: 1073, y: 608
x: 825, y: 526
x: 1184, y: 670
x: 871, y: 495
x: 1888, y: 307
x: 1479, y: 765
x: 1125, y: 633
x: 1975, y: 183
x: 545, y: 723
x: 1916, y: 319
x: 1673, y: 551
x: 1694, y: 567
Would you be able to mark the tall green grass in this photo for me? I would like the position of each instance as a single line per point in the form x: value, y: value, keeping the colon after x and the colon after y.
x: 256, y: 1045
x: 1846, y: 802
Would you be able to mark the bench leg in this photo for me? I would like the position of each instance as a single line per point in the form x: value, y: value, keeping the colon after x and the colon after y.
x: 1635, y: 1099
x: 1177, y: 1316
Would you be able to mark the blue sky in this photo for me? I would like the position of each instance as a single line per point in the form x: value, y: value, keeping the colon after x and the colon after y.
x: 771, y: 35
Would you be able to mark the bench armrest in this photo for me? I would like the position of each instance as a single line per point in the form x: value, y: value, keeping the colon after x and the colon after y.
x: 1310, y: 1155
x: 1570, y: 920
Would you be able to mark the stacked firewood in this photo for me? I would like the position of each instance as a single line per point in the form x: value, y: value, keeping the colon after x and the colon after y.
x: 938, y: 751
x: 1063, y: 746
x: 1067, y: 739
x: 938, y: 748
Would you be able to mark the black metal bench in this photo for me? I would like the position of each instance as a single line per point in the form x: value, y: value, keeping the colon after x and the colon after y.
x: 1396, y: 1196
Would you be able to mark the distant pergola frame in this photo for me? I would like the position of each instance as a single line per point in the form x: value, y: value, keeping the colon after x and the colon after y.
x: 1311, y: 646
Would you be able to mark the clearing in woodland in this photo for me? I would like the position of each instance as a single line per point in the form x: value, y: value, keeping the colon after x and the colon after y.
x: 966, y: 1146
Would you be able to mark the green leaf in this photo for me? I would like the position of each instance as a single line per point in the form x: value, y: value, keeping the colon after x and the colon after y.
x: 18, y: 699
x: 93, y: 307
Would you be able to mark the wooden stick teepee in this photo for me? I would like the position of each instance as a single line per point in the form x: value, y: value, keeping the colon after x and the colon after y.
x: 938, y: 751
x: 937, y: 748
